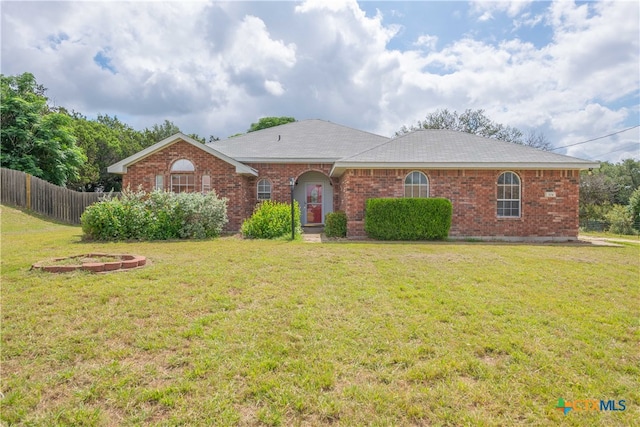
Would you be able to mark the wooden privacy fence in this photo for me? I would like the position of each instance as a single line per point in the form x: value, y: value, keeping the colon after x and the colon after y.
x: 23, y: 190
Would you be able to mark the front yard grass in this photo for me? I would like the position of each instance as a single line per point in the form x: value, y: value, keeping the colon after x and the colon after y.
x: 241, y: 332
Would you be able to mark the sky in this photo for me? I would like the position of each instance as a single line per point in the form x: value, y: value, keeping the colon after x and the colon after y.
x: 570, y: 70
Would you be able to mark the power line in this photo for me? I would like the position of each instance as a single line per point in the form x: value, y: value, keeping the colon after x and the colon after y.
x: 624, y: 147
x: 595, y: 139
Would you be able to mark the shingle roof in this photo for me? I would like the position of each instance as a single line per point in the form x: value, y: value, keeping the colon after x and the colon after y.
x: 305, y: 140
x: 314, y: 141
x: 451, y: 149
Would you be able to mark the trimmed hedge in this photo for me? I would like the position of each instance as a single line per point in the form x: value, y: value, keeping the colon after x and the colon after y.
x: 271, y: 220
x: 335, y: 224
x: 155, y: 216
x: 408, y: 219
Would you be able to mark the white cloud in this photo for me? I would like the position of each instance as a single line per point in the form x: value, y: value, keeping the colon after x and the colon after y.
x: 274, y: 87
x: 427, y: 41
x: 486, y: 8
x: 214, y: 68
x: 253, y: 49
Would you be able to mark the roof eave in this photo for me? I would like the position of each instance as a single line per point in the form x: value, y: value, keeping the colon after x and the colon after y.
x: 339, y: 167
x: 286, y: 159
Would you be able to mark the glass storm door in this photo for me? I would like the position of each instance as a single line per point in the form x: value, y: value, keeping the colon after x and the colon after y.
x: 314, y: 203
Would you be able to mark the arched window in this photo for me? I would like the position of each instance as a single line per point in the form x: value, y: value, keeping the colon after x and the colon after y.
x: 264, y: 189
x: 508, y: 195
x: 416, y: 184
x: 182, y: 165
x: 183, y: 180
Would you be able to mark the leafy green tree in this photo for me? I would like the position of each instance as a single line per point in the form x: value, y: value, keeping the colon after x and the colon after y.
x: 159, y: 132
x: 634, y: 208
x: 36, y: 139
x: 610, y: 185
x: 102, y: 147
x: 626, y: 175
x: 268, y: 122
x: 477, y: 123
x: 202, y: 139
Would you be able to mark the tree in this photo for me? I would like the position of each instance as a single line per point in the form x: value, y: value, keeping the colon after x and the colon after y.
x: 610, y: 185
x: 36, y: 139
x: 537, y: 140
x: 626, y: 175
x: 159, y: 132
x: 634, y: 208
x: 268, y: 122
x: 477, y: 123
x: 202, y: 139
x: 103, y: 147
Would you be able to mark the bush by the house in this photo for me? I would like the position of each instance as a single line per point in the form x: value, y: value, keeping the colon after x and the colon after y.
x: 271, y: 220
x: 158, y: 215
x: 408, y: 219
x: 335, y: 224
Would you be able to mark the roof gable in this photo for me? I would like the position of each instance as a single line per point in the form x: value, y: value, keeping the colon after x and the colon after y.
x: 121, y: 166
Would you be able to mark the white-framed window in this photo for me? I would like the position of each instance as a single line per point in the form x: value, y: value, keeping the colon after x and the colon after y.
x: 182, y: 183
x: 182, y: 165
x: 416, y: 184
x: 183, y: 179
x: 264, y: 189
x: 509, y: 195
x: 159, y: 182
x: 206, y: 183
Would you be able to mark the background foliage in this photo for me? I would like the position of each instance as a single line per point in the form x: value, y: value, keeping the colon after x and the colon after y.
x: 609, y: 197
x: 35, y: 138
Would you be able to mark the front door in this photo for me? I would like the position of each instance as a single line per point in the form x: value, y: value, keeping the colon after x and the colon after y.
x: 314, y: 203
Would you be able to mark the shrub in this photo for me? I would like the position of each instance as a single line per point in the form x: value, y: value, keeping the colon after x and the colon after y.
x: 271, y: 220
x: 620, y: 220
x: 155, y: 216
x: 408, y: 219
x: 335, y: 224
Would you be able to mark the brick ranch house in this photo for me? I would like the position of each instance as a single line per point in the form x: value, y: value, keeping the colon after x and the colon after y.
x: 499, y: 190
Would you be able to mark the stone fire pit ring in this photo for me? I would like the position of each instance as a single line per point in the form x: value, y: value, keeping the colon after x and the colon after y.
x: 120, y: 262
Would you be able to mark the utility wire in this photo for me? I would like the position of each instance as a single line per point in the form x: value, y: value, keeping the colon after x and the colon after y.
x: 595, y: 139
x: 624, y: 147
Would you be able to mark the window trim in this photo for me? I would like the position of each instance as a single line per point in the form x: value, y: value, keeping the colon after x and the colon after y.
x: 188, y: 187
x: 504, y: 199
x: 159, y: 183
x: 258, y: 192
x: 404, y: 185
x: 206, y: 184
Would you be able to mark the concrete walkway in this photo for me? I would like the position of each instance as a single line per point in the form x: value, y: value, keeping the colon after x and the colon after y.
x: 607, y: 240
x: 312, y: 234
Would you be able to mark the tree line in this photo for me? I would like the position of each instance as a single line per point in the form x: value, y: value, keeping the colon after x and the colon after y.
x: 65, y: 147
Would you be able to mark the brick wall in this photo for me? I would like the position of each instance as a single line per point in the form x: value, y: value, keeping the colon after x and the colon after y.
x: 473, y: 194
x: 239, y: 189
x: 279, y: 173
x: 224, y: 179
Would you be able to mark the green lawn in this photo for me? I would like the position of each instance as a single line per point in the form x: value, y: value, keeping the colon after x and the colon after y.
x: 228, y: 331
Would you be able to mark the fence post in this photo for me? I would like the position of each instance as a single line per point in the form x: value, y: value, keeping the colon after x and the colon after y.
x: 28, y: 181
